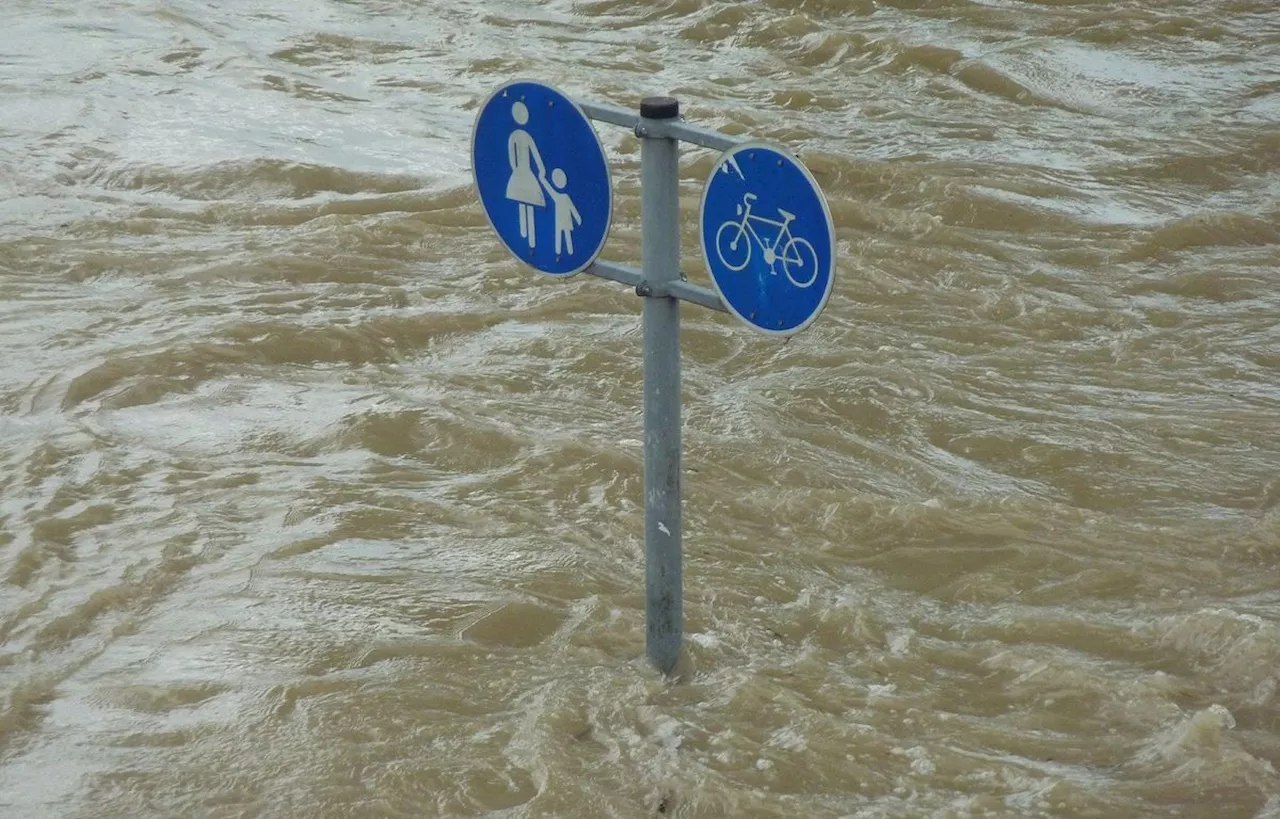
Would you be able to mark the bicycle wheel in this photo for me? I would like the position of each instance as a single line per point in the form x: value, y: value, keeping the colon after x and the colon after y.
x: 733, y: 245
x: 800, y: 262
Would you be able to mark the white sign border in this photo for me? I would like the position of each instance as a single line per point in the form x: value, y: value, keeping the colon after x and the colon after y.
x: 826, y: 212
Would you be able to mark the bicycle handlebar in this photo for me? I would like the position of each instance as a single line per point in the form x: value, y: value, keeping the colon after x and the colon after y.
x: 747, y: 197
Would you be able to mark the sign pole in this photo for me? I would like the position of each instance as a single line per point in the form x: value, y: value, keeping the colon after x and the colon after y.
x: 660, y: 262
x: 767, y: 239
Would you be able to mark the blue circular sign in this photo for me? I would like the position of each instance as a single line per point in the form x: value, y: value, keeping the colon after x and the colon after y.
x: 542, y: 177
x: 767, y: 238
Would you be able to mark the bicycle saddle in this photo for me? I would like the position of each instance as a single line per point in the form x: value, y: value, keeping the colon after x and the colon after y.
x: 785, y: 215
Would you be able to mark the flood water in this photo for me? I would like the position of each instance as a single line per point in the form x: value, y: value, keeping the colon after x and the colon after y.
x: 314, y: 503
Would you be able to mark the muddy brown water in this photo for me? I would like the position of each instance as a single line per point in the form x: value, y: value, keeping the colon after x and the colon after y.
x: 313, y: 503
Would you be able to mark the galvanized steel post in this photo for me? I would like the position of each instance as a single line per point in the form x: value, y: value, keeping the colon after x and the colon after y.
x: 660, y: 262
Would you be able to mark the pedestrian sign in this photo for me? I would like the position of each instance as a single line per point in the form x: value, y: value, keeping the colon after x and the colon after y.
x: 542, y: 177
x: 767, y: 238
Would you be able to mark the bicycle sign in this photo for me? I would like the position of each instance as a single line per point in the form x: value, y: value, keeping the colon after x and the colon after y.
x: 767, y: 239
x: 733, y: 245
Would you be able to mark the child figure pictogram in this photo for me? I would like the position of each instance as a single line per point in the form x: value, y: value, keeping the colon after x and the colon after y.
x: 566, y: 214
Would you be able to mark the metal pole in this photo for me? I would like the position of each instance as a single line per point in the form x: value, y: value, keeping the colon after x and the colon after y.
x: 660, y: 257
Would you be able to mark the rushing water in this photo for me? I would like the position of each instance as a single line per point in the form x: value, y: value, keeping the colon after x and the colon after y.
x: 313, y: 503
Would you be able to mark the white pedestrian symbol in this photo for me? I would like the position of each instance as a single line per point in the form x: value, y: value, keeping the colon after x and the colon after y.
x: 566, y: 215
x: 733, y: 244
x: 524, y: 187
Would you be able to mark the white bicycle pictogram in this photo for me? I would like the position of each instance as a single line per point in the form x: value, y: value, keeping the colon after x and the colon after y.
x: 733, y: 245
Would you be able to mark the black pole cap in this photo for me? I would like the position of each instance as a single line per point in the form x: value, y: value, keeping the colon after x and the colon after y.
x: 660, y: 108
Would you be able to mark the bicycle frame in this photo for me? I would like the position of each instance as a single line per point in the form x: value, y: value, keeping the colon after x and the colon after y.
x: 748, y: 217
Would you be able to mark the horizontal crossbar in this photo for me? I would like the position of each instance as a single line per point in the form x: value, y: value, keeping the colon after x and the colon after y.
x: 660, y: 128
x: 677, y: 288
